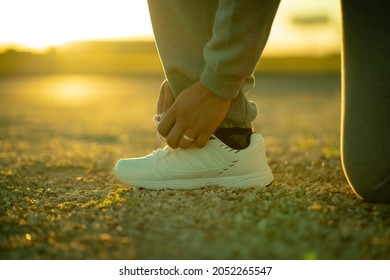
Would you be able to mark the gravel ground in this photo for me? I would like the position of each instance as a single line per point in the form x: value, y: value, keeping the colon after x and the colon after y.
x: 60, y: 137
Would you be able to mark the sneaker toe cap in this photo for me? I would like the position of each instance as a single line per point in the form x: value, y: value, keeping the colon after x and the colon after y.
x: 127, y: 170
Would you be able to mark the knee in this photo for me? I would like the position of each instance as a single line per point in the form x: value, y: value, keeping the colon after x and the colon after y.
x: 369, y: 187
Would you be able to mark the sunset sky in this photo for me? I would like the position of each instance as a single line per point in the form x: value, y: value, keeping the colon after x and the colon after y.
x: 41, y: 23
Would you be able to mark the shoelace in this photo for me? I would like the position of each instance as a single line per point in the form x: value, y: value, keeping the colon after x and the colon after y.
x: 161, y: 151
x: 156, y: 120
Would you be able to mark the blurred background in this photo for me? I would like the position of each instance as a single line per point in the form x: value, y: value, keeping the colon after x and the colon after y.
x: 79, y: 81
x: 115, y: 36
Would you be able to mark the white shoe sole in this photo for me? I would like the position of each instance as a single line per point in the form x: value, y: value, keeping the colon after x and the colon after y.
x: 239, y: 182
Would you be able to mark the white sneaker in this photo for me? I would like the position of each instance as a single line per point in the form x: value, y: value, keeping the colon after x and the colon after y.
x: 215, y: 164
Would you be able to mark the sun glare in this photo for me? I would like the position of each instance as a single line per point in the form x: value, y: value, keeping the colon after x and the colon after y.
x: 40, y: 24
x: 43, y: 23
x: 70, y: 89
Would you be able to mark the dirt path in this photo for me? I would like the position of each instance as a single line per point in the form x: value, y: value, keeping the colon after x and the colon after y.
x: 59, y: 200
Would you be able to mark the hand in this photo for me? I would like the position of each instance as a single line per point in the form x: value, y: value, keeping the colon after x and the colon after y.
x: 165, y: 100
x: 197, y: 113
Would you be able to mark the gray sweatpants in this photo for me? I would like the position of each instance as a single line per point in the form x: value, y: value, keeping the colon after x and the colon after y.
x: 220, y: 43
x: 365, y: 135
x: 216, y: 41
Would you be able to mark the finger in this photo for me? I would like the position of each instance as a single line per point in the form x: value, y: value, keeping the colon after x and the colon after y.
x: 160, y: 101
x: 168, y: 98
x: 186, y: 140
x: 165, y: 100
x: 174, y: 136
x: 202, y: 140
x: 166, y: 124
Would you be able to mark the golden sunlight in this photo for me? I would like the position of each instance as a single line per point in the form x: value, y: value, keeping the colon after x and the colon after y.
x: 44, y: 23
x: 69, y: 89
x: 301, y: 27
x: 72, y: 90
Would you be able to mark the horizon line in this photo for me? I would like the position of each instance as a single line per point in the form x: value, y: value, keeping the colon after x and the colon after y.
x: 25, y: 47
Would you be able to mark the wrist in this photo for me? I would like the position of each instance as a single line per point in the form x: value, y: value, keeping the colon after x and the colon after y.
x: 222, y: 85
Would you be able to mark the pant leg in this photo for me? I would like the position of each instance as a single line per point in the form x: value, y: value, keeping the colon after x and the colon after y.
x: 365, y: 135
x: 183, y: 28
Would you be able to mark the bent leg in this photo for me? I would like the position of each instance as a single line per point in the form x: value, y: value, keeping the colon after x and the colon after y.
x: 193, y: 42
x: 365, y: 135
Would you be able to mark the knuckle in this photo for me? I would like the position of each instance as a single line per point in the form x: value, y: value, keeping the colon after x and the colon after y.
x: 185, y: 145
x: 200, y: 144
x: 171, y: 142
